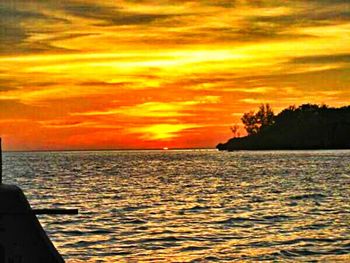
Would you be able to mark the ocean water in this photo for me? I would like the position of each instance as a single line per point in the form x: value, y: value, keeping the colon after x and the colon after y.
x: 191, y: 206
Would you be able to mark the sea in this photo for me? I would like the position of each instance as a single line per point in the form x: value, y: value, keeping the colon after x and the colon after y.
x: 191, y: 205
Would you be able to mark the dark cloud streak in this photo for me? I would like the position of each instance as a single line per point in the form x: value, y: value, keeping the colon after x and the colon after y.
x: 341, y: 58
x: 111, y: 16
x: 15, y: 14
x: 15, y: 28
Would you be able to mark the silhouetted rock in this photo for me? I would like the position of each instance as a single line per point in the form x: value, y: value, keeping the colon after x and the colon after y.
x: 306, y: 127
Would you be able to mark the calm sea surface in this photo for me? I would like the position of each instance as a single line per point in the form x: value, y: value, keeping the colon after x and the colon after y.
x: 191, y: 206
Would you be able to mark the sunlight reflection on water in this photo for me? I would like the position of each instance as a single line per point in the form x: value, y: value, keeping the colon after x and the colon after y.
x: 183, y: 206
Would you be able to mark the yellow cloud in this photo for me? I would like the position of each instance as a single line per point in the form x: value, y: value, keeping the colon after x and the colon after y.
x: 59, y: 124
x: 156, y: 109
x: 161, y: 131
x: 256, y: 101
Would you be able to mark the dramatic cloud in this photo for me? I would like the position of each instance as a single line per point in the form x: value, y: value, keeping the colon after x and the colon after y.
x: 133, y: 74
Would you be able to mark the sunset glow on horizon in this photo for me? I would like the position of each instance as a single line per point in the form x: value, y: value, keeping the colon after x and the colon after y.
x: 103, y: 74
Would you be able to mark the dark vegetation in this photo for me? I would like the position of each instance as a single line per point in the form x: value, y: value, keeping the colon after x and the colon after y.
x: 308, y: 126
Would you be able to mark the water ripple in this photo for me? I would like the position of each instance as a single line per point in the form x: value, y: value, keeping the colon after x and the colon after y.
x: 191, y: 206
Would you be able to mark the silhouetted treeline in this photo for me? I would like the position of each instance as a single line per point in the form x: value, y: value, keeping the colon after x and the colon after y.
x: 307, y: 127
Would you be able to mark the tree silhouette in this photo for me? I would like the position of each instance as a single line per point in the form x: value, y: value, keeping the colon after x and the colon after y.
x: 250, y: 123
x: 235, y: 130
x: 254, y: 122
x: 309, y: 126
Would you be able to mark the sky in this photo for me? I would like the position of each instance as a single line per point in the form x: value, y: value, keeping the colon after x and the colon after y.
x: 131, y: 74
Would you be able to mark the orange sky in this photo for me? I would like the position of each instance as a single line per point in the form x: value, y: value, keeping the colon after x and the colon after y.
x: 103, y: 74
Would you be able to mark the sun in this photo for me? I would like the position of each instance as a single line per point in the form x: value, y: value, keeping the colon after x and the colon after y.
x: 165, y: 148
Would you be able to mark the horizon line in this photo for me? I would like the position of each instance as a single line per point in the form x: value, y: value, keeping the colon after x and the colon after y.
x: 113, y: 149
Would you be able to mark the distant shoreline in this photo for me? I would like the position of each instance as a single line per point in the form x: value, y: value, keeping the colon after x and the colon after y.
x: 287, y: 149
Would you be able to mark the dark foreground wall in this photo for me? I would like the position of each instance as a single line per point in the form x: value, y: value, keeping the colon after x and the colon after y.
x: 22, y: 239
